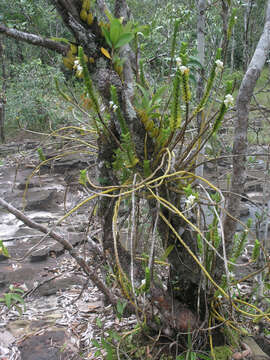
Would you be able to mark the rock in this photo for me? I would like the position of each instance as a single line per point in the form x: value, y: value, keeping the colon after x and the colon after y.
x: 19, y: 327
x: 40, y: 199
x: 51, y: 287
x: 6, y: 341
x: 3, y: 257
x: 39, y: 255
x: 52, y: 345
x: 20, y: 276
x: 244, y: 210
x: 257, y: 353
x: 3, y: 280
x: 72, y: 161
x: 254, y: 186
x: 22, y: 185
x: 56, y: 250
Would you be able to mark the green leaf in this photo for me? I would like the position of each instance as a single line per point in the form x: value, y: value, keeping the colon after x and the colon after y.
x: 181, y: 357
x: 17, y: 297
x: 124, y: 39
x: 204, y: 357
x: 109, y: 15
x: 143, y: 29
x: 8, y: 299
x: 109, y: 350
x: 3, y: 249
x: 147, y: 279
x: 83, y: 177
x: 146, y: 96
x: 107, y: 36
x: 41, y: 155
x: 18, y: 290
x: 96, y: 344
x: 158, y: 94
x: 19, y: 309
x: 115, y: 31
x: 66, y: 41
x: 120, y: 307
x: 192, y: 60
x: 99, y: 323
x: 167, y: 252
x: 256, y: 250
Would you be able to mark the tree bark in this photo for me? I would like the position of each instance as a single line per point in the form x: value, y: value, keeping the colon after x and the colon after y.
x: 34, y: 39
x: 185, y: 272
x: 2, y: 94
x: 241, y: 124
x: 201, y: 50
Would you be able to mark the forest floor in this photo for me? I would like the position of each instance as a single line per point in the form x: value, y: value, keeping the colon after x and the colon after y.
x: 60, y: 321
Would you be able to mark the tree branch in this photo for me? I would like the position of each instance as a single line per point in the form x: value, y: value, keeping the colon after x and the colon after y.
x: 34, y: 39
x: 80, y: 261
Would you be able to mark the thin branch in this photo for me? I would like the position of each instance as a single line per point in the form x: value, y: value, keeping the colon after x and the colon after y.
x: 34, y: 39
x: 80, y: 261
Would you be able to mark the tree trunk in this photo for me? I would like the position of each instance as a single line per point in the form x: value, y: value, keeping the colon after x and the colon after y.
x: 185, y: 273
x: 241, y: 124
x: 2, y: 94
x: 200, y: 87
x: 247, y: 15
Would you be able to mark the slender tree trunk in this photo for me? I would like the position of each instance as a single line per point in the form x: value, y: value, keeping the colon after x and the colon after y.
x: 2, y: 94
x: 241, y: 124
x: 247, y: 15
x: 232, y: 51
x: 200, y: 87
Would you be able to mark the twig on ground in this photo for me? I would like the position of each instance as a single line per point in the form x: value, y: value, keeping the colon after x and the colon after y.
x: 80, y: 261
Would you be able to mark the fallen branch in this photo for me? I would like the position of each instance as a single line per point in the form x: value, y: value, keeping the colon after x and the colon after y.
x: 57, y: 237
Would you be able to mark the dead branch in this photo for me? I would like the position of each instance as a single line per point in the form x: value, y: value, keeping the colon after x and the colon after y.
x: 80, y: 261
x: 34, y: 39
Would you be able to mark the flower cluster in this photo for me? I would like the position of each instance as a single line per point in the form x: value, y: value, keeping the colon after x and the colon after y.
x: 228, y: 100
x: 78, y: 67
x: 219, y: 65
x: 184, y: 70
x: 190, y: 200
x: 113, y: 106
x: 178, y: 62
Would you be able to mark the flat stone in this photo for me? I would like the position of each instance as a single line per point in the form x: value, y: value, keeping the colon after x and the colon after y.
x: 39, y: 199
x: 22, y: 275
x: 244, y: 210
x: 3, y: 280
x: 39, y: 255
x: 51, y: 288
x: 6, y: 341
x: 3, y: 257
x: 19, y: 327
x: 56, y: 250
x: 52, y: 345
x: 22, y: 185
